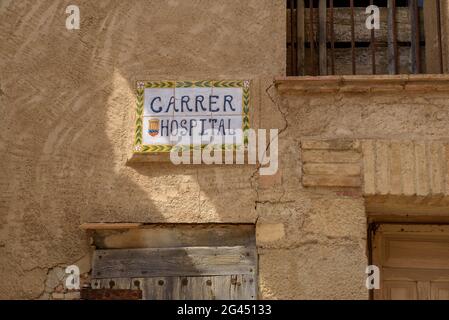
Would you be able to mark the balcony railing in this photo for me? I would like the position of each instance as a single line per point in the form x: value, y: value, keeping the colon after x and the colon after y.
x: 330, y: 37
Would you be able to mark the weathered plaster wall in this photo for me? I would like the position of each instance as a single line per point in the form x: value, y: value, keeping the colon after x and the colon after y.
x: 66, y: 108
x: 66, y: 113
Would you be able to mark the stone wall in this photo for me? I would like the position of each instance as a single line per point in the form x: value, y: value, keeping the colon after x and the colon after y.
x: 314, y: 213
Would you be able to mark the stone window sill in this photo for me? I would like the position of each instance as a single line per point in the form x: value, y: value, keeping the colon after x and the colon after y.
x: 362, y: 84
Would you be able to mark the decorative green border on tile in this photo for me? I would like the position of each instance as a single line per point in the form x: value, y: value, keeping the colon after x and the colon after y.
x: 139, y: 147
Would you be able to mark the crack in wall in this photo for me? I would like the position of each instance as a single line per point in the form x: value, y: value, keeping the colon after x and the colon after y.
x: 276, y: 103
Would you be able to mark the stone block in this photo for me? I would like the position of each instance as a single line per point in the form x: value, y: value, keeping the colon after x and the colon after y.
x: 337, y: 144
x: 369, y: 169
x: 330, y: 181
x: 330, y: 156
x: 269, y: 232
x: 346, y: 169
x: 407, y: 164
x: 422, y: 172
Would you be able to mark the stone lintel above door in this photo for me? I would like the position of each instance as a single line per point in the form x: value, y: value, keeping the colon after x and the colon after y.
x: 379, y: 167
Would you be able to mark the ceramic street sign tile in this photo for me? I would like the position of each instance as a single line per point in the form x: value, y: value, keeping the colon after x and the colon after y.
x: 188, y: 113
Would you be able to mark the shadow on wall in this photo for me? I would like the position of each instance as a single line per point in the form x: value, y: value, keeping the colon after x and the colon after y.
x: 67, y: 104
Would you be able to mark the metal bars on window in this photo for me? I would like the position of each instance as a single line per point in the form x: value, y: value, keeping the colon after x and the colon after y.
x: 329, y: 37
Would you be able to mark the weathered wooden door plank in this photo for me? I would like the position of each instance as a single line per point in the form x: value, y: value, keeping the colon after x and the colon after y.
x: 231, y: 287
x: 183, y: 261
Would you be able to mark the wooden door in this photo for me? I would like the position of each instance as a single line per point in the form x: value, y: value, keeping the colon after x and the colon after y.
x: 413, y: 261
x: 184, y: 273
x: 233, y: 287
